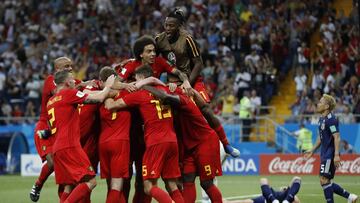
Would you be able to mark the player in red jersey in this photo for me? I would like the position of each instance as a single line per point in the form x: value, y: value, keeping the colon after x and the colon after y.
x: 161, y: 154
x: 201, y: 146
x: 145, y: 53
x: 43, y: 146
x: 71, y: 164
x: 114, y: 145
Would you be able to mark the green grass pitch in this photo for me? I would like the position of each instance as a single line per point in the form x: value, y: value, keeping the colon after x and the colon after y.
x: 15, y: 189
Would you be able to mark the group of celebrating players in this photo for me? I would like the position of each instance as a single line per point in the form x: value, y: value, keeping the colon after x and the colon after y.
x: 130, y: 116
x: 120, y: 119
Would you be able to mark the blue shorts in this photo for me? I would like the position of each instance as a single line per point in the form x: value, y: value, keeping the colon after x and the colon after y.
x: 279, y: 195
x: 327, y: 168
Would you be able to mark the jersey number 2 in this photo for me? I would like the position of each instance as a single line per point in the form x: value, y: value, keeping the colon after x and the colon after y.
x: 51, y: 113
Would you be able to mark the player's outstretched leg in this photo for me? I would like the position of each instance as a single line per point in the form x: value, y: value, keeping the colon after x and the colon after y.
x: 266, y: 191
x: 293, y: 190
x: 342, y: 192
x: 46, y: 171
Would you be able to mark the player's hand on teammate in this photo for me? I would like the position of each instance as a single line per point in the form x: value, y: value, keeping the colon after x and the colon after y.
x: 118, y: 66
x: 337, y: 161
x: 110, y: 81
x: 172, y: 87
x: 43, y: 134
x: 186, y: 87
x: 130, y: 87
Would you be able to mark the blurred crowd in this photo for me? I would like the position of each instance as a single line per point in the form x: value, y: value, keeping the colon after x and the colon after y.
x: 333, y: 68
x: 247, y: 46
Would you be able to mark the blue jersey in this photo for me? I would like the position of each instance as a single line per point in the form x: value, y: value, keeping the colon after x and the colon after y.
x: 328, y: 126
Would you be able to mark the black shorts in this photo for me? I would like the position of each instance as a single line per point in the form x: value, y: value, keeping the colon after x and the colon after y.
x: 327, y: 168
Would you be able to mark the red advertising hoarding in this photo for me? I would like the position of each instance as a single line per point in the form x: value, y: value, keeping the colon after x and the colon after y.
x: 292, y: 164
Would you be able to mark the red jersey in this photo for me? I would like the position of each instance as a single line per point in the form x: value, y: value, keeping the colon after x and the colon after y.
x: 115, y: 125
x: 64, y: 118
x: 158, y: 118
x: 47, y: 92
x: 89, y: 115
x: 195, y: 129
x: 159, y: 66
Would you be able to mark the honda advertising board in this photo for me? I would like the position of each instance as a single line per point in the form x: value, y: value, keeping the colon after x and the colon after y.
x: 244, y: 165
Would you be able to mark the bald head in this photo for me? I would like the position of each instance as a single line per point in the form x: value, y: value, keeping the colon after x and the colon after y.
x: 63, y: 63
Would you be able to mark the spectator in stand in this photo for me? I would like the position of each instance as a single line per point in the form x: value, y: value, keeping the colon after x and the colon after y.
x: 255, y: 103
x: 245, y: 115
x: 303, y: 56
x: 228, y: 102
x: 347, y: 117
x: 300, y: 81
x: 242, y: 82
x: 88, y: 32
x: 317, y: 81
x: 346, y: 148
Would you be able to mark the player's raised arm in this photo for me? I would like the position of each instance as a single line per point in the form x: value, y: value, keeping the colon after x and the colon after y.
x: 149, y: 81
x: 101, y: 96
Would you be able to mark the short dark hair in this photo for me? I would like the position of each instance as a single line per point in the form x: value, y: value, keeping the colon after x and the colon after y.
x: 144, y: 70
x: 140, y: 44
x: 106, y: 72
x: 61, y: 76
x: 178, y: 14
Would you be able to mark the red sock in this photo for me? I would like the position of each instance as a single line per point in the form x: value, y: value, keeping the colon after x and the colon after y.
x: 113, y: 196
x: 44, y: 174
x: 221, y: 134
x: 140, y: 196
x: 86, y: 199
x: 177, y: 197
x: 214, y: 193
x: 64, y: 196
x: 160, y: 195
x: 189, y: 192
x: 79, y: 192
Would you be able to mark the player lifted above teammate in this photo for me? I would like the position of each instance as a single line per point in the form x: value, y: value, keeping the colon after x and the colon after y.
x: 181, y: 50
x: 329, y: 139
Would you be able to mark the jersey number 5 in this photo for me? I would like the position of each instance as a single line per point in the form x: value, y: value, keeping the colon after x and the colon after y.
x: 51, y: 113
x: 163, y: 111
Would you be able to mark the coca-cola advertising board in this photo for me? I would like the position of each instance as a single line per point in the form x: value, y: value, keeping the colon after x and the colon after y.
x: 298, y: 165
